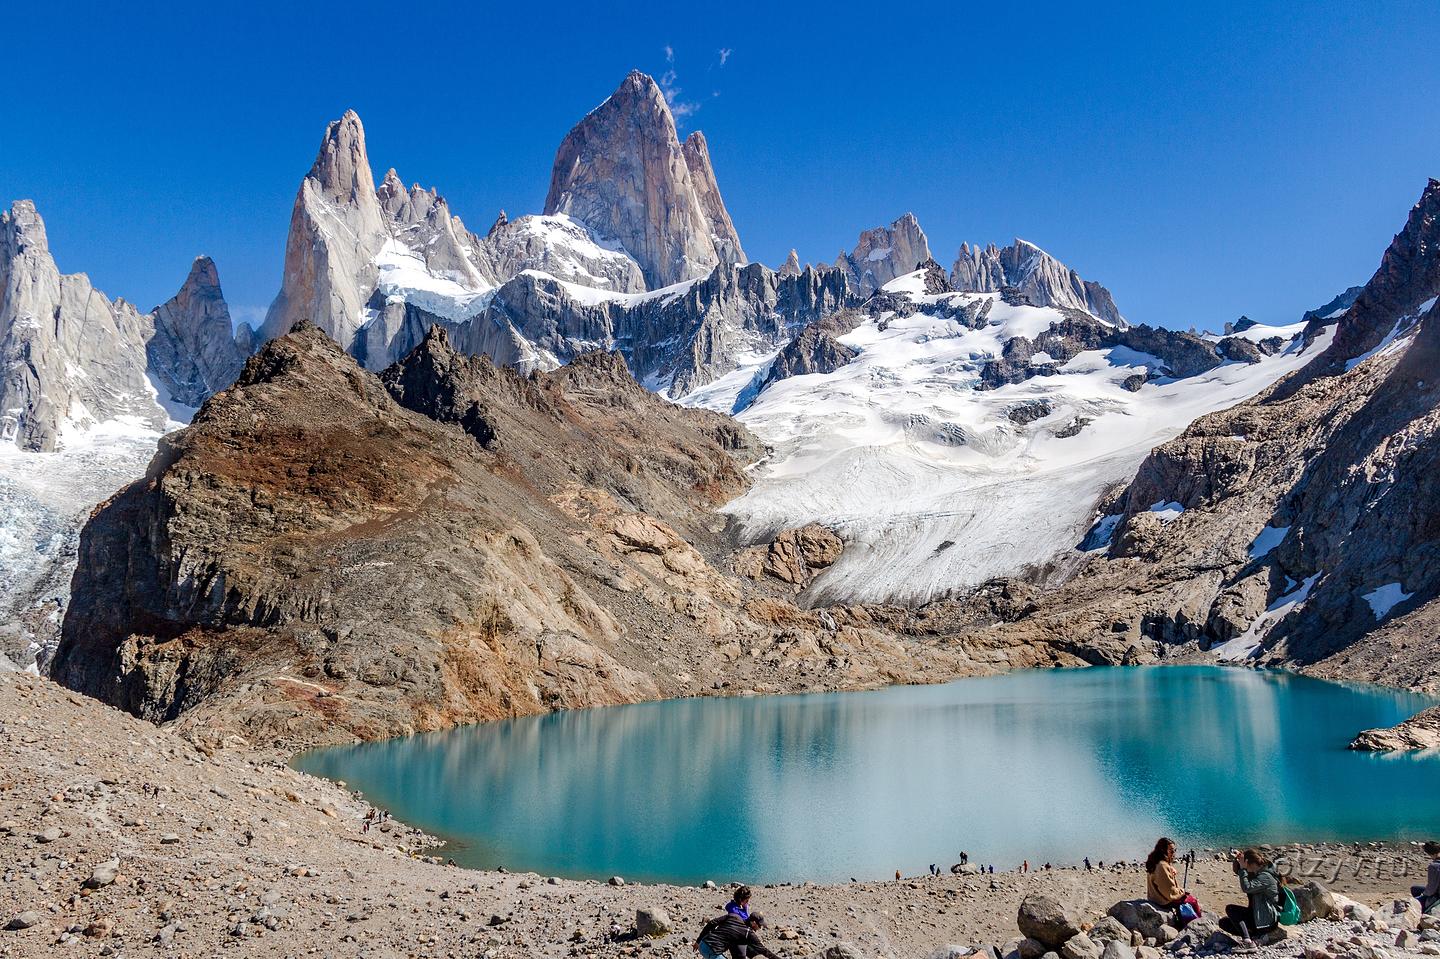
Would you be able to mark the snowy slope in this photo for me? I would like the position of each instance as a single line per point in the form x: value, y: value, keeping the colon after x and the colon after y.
x: 45, y: 499
x: 932, y: 485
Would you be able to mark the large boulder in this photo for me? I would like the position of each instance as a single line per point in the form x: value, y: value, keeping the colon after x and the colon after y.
x: 1315, y: 901
x: 1117, y: 950
x: 840, y: 950
x: 1196, y: 934
x: 1080, y: 946
x: 1140, y: 916
x: 1048, y: 920
x: 1108, y: 930
x: 1029, y: 948
x: 652, y: 922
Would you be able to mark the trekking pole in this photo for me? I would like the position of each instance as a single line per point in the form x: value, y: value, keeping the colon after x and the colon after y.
x: 1186, y: 883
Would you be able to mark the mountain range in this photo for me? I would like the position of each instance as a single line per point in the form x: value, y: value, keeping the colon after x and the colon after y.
x: 846, y: 473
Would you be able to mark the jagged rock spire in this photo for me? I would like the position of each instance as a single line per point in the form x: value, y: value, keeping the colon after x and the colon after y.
x: 624, y: 174
x: 885, y: 252
x: 193, y: 353
x: 1044, y: 280
x: 329, y: 272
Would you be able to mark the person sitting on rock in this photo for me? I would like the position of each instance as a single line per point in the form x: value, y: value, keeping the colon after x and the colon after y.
x: 1429, y: 894
x: 1162, y: 885
x: 731, y: 934
x: 739, y: 904
x: 1261, y: 885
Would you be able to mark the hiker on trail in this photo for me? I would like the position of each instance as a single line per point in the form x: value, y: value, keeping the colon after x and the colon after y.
x: 1261, y: 885
x: 1025, y: 866
x: 1087, y: 863
x: 1162, y: 885
x: 1429, y: 894
x: 964, y: 859
x: 731, y: 934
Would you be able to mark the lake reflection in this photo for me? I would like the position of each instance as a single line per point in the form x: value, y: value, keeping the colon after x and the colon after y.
x: 1045, y: 765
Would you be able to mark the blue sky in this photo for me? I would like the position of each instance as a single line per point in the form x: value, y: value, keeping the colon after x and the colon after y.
x: 1201, y: 161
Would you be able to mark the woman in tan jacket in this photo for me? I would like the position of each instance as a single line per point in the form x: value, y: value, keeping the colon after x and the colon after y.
x: 1162, y: 886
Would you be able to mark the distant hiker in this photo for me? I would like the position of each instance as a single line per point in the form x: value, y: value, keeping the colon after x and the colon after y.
x: 1025, y: 866
x: 1261, y: 885
x: 1429, y: 894
x: 1087, y: 863
x: 739, y: 904
x: 731, y: 934
x: 897, y: 875
x: 992, y: 869
x: 964, y: 858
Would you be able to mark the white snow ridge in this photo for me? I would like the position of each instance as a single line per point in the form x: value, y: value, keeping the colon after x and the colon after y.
x: 929, y: 481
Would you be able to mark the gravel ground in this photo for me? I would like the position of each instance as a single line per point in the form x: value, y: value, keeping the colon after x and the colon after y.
x: 121, y: 838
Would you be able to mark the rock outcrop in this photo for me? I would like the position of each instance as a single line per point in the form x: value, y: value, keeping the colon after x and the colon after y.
x: 1178, y: 354
x: 794, y: 557
x: 623, y: 173
x: 1034, y: 273
x: 1421, y: 731
x: 885, y: 252
x: 814, y: 350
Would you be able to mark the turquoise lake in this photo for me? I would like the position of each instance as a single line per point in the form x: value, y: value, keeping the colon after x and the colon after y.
x: 1046, y: 765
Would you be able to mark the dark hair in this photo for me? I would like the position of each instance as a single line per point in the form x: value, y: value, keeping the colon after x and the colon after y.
x: 1161, y: 850
x: 1254, y: 858
x: 742, y: 894
x: 756, y: 918
x: 1432, y: 848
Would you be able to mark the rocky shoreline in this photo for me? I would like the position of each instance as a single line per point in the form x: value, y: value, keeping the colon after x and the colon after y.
x: 124, y: 838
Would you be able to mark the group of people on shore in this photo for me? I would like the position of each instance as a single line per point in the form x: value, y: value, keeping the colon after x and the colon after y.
x: 736, y: 932
x: 1259, y: 881
x: 1268, y: 902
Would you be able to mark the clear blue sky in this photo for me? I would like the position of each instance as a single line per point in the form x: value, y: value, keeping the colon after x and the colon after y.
x: 1199, y: 161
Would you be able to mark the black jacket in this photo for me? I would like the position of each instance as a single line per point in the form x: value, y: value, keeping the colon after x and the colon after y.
x: 731, y: 933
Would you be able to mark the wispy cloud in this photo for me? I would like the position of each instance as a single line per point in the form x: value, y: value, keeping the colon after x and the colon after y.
x: 670, y: 87
x: 254, y: 315
x: 725, y: 54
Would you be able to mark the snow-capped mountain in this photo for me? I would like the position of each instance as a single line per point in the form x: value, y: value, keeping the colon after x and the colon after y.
x: 952, y: 437
x: 1042, y: 278
x: 87, y: 386
x: 71, y: 359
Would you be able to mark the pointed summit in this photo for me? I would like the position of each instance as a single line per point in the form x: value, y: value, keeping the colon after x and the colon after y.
x: 1044, y: 280
x: 791, y: 266
x: 883, y: 253
x: 707, y: 191
x: 193, y: 353
x: 342, y: 167
x: 1408, y: 276
x: 70, y: 358
x: 330, y: 272
x: 623, y: 173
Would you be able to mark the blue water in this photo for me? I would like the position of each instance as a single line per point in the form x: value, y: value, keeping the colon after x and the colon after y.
x: 1044, y: 765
